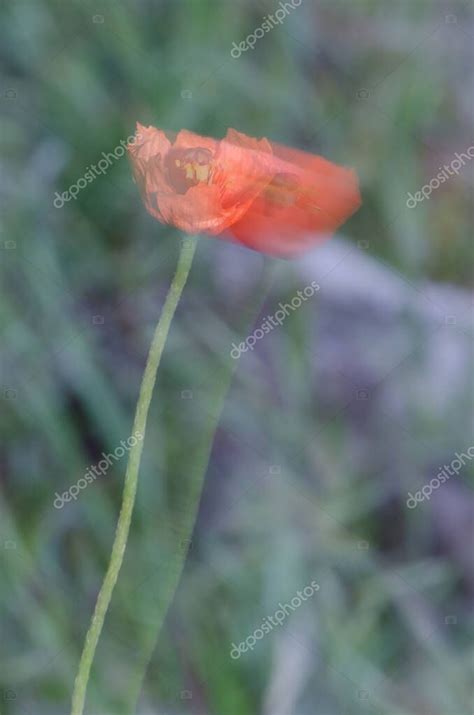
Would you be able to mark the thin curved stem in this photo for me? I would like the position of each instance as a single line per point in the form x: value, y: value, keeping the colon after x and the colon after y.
x: 188, y: 248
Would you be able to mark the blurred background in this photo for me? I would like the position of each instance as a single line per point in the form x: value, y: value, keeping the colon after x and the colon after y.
x: 356, y: 401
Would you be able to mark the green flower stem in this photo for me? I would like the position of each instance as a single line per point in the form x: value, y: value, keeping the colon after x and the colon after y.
x: 131, y: 477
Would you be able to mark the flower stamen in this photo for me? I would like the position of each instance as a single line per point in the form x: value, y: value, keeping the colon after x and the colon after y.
x: 188, y: 167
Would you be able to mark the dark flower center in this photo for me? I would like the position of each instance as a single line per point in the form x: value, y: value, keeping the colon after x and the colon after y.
x: 187, y: 167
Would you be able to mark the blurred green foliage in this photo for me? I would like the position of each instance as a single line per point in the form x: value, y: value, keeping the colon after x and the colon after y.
x: 378, y: 85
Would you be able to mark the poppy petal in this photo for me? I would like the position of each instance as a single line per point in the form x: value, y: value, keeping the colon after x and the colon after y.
x: 264, y: 195
x: 306, y: 201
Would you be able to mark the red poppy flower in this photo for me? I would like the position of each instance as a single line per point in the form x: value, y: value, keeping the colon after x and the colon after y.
x: 266, y: 196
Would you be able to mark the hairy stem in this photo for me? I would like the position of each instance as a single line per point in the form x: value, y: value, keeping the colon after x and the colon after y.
x: 131, y: 477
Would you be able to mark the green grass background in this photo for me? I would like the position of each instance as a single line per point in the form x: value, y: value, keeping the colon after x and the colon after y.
x: 382, y: 86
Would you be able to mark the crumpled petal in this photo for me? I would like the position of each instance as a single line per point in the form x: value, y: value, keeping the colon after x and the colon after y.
x: 266, y: 196
x: 240, y: 168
